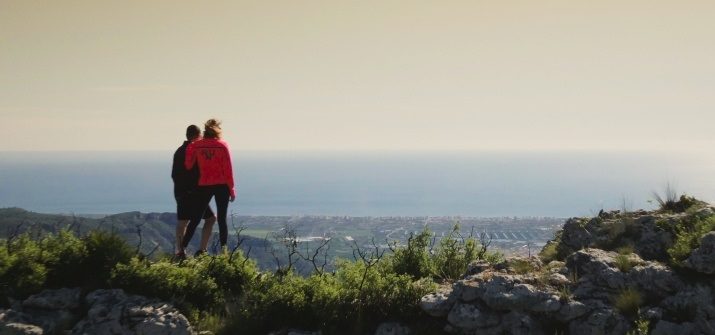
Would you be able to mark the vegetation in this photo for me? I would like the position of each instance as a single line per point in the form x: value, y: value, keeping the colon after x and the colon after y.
x: 228, y: 294
x: 687, y: 237
x: 628, y: 302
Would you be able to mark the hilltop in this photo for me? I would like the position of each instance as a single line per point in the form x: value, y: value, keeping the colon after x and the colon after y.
x: 619, y: 272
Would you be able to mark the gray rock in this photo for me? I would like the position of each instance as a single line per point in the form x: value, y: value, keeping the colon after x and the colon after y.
x: 477, y: 266
x: 669, y: 328
x: 690, y: 304
x: 575, y: 235
x: 558, y: 279
x: 571, y: 310
x: 599, y: 266
x: 439, y: 303
x: 599, y: 322
x: 13, y: 328
x: 392, y: 328
x: 64, y: 298
x: 703, y: 259
x: 113, y: 312
x: 655, y: 279
x: 503, y: 294
x: 468, y: 317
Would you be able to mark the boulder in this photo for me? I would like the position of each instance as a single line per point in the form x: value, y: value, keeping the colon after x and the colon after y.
x: 469, y: 317
x: 575, y: 235
x: 114, y: 312
x: 703, y: 259
x: 64, y: 298
x: 598, y: 266
x: 439, y: 303
x: 600, y: 321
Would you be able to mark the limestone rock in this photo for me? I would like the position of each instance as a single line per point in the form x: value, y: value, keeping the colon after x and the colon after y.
x: 64, y: 298
x: 439, y: 303
x: 599, y: 266
x: 114, y: 312
x: 13, y: 328
x: 600, y: 321
x: 468, y: 317
x: 703, y: 259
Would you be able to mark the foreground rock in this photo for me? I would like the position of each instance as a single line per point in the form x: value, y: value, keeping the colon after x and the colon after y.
x: 590, y: 288
x: 109, y: 312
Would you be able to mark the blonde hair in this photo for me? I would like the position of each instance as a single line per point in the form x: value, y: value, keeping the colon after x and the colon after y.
x: 212, y: 128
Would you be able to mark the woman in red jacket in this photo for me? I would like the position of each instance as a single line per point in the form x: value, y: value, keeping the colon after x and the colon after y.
x: 215, y: 177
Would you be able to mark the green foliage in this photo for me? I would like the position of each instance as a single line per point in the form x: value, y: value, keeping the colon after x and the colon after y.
x: 671, y: 203
x: 182, y: 284
x: 687, y: 237
x: 623, y: 262
x: 332, y: 303
x: 414, y: 258
x: 628, y: 301
x: 522, y: 266
x: 27, y: 264
x: 640, y: 327
x: 454, y: 254
x: 549, y: 252
x: 22, y: 271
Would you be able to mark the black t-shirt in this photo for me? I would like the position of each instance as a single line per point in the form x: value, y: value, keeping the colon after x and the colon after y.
x: 184, y: 180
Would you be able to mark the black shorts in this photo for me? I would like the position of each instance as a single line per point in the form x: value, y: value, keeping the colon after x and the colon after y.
x: 187, y: 206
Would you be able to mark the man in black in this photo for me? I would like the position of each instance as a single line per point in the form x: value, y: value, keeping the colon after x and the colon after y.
x: 185, y: 183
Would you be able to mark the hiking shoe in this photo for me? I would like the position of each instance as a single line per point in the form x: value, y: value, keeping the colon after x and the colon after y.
x: 200, y: 253
x: 180, y: 256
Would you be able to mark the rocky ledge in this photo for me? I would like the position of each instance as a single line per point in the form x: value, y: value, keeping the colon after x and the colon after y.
x: 108, y: 312
x: 612, y: 274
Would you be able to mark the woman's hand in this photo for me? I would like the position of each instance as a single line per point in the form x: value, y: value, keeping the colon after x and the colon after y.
x: 232, y: 198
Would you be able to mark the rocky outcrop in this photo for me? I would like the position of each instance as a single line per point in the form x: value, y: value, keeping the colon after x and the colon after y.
x: 108, y: 312
x: 703, y: 258
x: 595, y: 290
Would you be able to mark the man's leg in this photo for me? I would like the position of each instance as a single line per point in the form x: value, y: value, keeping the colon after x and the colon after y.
x: 180, y: 231
x: 207, y: 232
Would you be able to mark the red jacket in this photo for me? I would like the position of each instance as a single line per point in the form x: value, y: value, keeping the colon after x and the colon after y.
x: 214, y: 160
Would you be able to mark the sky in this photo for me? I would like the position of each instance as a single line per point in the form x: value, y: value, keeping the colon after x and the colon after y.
x: 359, y: 75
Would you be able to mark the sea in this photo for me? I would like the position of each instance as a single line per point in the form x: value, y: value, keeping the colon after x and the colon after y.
x: 429, y: 183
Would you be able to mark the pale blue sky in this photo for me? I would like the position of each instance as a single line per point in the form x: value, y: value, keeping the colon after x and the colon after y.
x: 359, y: 75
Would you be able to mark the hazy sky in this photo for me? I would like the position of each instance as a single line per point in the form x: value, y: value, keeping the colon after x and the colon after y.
x: 359, y: 75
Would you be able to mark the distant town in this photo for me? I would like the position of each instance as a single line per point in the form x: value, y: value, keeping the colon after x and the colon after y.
x: 509, y: 235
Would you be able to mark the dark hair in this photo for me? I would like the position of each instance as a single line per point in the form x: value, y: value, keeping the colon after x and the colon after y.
x: 192, y: 132
x: 212, y: 128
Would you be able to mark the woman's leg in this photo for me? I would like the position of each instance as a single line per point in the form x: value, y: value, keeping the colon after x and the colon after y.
x: 222, y: 195
x: 200, y: 200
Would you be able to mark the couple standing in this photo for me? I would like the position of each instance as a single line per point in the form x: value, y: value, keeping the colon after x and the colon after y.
x: 202, y: 170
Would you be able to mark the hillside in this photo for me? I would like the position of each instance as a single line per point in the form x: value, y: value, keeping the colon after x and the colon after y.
x: 619, y: 272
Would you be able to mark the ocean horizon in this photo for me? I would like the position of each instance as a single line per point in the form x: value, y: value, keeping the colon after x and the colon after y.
x: 474, y: 184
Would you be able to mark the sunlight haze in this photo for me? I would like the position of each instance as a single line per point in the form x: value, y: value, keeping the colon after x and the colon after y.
x: 359, y: 75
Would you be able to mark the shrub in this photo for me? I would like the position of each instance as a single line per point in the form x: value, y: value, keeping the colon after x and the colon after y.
x: 549, y: 252
x: 182, y: 284
x: 21, y: 269
x: 355, y: 297
x: 522, y: 266
x: 414, y: 258
x: 628, y: 301
x: 454, y: 254
x: 687, y: 237
x: 623, y: 263
x: 104, y: 251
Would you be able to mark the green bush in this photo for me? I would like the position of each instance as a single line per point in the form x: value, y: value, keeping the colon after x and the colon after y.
x: 356, y: 296
x: 549, y: 252
x: 454, y: 254
x: 22, y: 271
x: 628, y: 301
x: 687, y: 237
x: 623, y: 263
x: 414, y: 259
x: 181, y: 284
